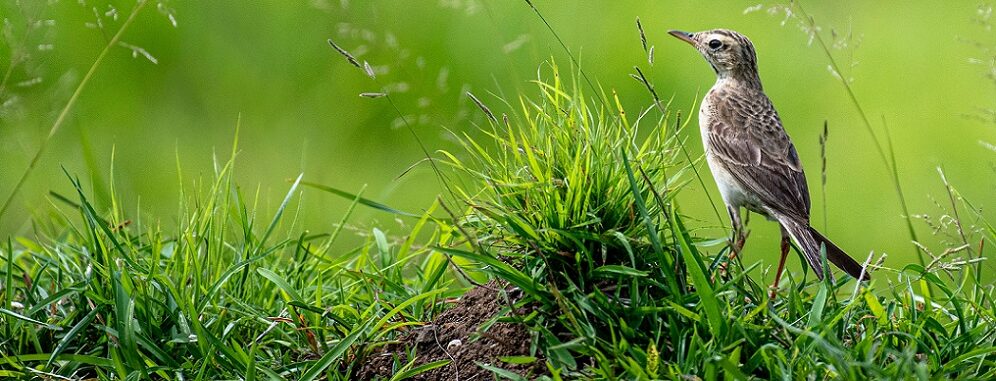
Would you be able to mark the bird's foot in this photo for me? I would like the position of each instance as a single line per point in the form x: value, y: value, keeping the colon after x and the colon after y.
x: 721, y: 271
x: 773, y: 292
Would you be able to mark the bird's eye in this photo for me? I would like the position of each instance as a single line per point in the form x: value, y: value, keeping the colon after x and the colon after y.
x: 715, y: 44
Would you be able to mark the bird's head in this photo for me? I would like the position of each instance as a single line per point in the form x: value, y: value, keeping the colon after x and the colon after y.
x: 730, y: 53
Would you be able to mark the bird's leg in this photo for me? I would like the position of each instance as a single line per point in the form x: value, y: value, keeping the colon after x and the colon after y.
x: 781, y: 264
x: 739, y: 237
x: 736, y: 241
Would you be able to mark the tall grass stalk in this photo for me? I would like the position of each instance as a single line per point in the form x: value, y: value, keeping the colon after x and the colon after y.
x: 886, y: 153
x: 681, y: 143
x: 444, y: 182
x: 823, y: 171
x: 69, y: 105
x: 570, y: 55
x: 16, y: 49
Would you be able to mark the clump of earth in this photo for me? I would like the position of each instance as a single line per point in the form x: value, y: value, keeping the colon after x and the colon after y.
x: 459, y: 335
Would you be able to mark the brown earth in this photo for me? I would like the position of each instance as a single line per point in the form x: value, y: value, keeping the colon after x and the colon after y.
x: 457, y: 335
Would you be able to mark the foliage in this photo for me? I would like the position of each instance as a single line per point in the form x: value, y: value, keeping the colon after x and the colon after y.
x: 220, y: 295
x: 625, y: 293
x: 568, y: 202
x: 568, y: 198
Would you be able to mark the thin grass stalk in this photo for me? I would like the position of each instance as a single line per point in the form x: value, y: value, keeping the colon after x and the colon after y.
x: 69, y: 105
x: 574, y: 60
x: 681, y: 145
x: 889, y: 164
x: 14, y: 58
x: 959, y: 226
x: 823, y: 171
x: 443, y: 180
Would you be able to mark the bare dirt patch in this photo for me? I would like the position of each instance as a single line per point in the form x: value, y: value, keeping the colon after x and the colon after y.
x: 457, y: 335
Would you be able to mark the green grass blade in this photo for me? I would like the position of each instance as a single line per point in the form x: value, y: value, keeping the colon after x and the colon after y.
x: 699, y: 278
x: 280, y: 210
x: 651, y: 227
x: 71, y: 335
x: 358, y: 199
x: 420, y: 369
x: 281, y: 283
x: 335, y: 353
x: 15, y: 315
x: 501, y: 373
x: 501, y: 269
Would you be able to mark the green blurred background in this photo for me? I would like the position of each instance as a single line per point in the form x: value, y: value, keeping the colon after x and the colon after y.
x: 268, y: 61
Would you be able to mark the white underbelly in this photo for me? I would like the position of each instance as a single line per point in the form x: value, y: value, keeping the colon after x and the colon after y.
x: 729, y: 187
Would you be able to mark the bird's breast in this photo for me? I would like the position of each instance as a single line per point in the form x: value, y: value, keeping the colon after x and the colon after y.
x: 705, y: 117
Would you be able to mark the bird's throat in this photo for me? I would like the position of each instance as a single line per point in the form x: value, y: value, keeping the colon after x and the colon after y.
x: 739, y: 79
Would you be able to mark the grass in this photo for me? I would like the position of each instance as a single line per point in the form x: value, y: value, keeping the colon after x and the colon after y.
x: 570, y: 201
x: 886, y: 153
x: 57, y: 124
x: 219, y: 295
x: 620, y: 275
x: 562, y: 194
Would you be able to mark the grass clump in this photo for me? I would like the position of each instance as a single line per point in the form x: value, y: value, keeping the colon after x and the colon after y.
x: 575, y: 205
x: 570, y: 200
x: 554, y: 178
x: 219, y: 295
x: 552, y: 198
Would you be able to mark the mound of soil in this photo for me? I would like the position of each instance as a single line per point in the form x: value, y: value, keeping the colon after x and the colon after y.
x: 457, y: 335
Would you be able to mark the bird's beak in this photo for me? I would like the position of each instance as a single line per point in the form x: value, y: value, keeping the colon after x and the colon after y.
x: 684, y: 36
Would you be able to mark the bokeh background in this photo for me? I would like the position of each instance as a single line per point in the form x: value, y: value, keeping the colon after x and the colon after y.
x: 171, y: 98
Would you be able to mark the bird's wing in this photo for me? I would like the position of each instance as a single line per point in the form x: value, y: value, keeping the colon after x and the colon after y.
x: 745, y: 134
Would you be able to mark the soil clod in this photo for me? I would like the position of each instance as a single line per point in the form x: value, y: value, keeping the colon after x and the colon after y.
x: 457, y: 335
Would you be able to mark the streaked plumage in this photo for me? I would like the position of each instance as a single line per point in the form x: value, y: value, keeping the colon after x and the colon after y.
x: 750, y: 155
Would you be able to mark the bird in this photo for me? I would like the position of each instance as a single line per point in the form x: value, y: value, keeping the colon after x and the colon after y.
x: 752, y: 158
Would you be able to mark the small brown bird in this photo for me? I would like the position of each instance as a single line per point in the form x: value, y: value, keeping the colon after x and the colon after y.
x: 750, y: 155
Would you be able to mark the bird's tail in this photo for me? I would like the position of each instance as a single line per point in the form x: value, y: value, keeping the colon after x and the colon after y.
x: 810, y: 241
